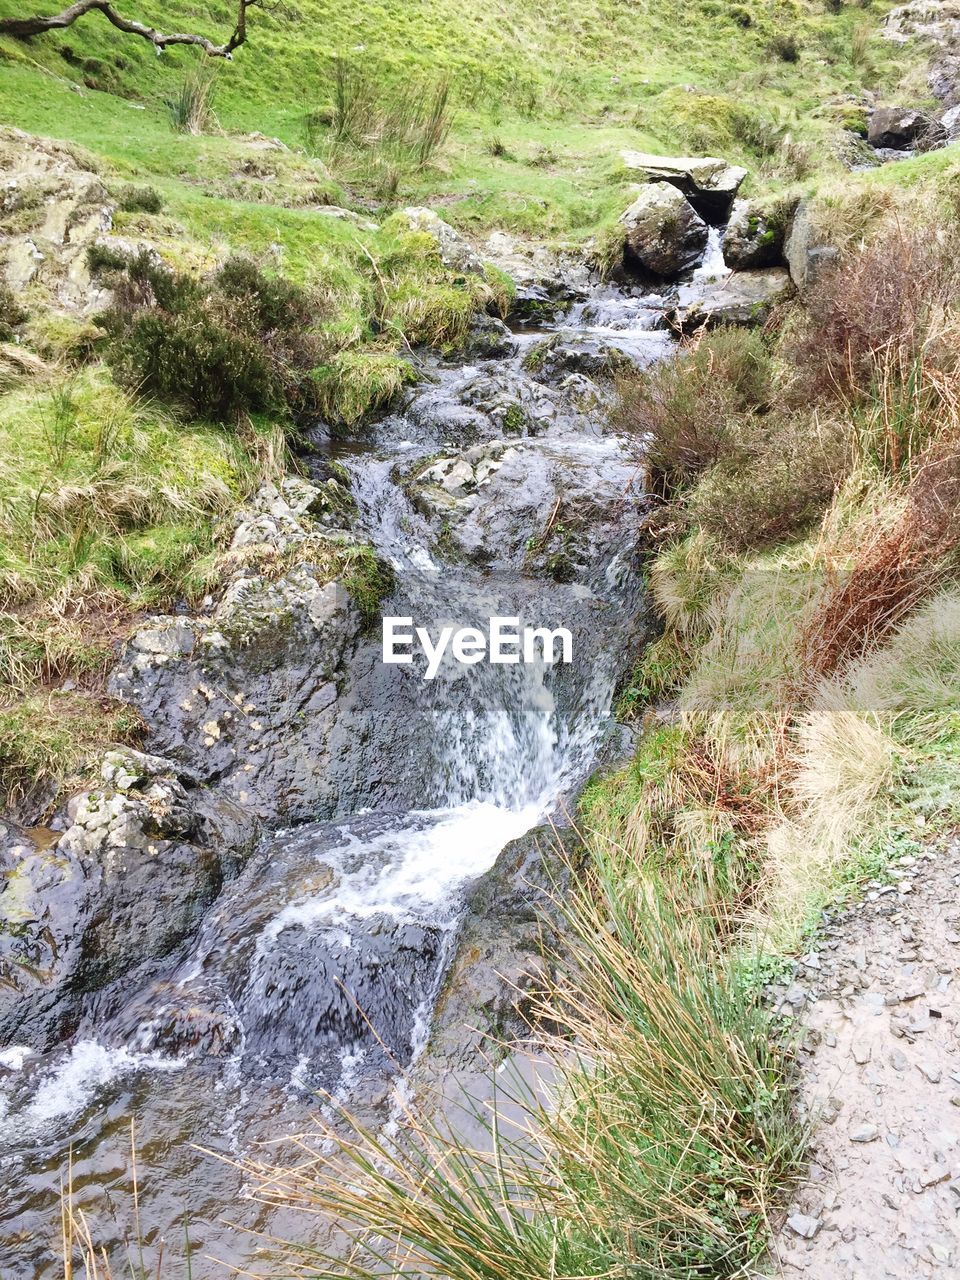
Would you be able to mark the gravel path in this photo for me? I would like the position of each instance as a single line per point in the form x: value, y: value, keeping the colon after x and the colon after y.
x: 881, y: 1078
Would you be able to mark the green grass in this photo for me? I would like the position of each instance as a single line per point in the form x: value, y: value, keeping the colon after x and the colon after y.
x: 103, y: 495
x: 562, y: 100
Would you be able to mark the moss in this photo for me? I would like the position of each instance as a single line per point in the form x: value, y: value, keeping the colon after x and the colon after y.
x: 369, y: 580
x: 515, y: 420
x: 357, y: 382
x: 65, y: 338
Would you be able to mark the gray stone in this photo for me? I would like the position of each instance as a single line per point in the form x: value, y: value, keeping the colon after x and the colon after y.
x: 744, y: 298
x: 754, y: 236
x: 808, y: 256
x: 864, y: 1133
x: 803, y: 1225
x: 456, y: 252
x: 903, y: 128
x: 664, y: 234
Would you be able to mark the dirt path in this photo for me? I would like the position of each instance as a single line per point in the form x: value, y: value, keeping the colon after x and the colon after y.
x: 881, y: 1072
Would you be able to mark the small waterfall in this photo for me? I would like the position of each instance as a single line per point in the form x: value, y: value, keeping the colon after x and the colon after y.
x: 320, y: 964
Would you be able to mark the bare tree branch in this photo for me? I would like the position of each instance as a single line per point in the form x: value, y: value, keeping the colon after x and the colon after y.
x: 37, y: 26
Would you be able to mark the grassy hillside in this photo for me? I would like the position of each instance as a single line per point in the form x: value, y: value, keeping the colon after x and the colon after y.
x: 540, y: 109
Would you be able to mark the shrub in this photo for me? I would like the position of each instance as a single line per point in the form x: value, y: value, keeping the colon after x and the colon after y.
x: 785, y: 46
x: 193, y: 359
x: 896, y: 569
x: 691, y: 407
x: 242, y: 344
x: 780, y: 480
x: 141, y: 200
x: 890, y: 300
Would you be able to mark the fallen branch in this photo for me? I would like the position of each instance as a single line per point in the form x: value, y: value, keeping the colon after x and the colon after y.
x: 36, y: 26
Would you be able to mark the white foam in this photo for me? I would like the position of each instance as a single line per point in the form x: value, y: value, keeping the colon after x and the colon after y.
x: 15, y: 1056
x: 72, y: 1082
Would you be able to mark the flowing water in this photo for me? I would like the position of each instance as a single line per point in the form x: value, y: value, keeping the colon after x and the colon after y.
x: 317, y: 967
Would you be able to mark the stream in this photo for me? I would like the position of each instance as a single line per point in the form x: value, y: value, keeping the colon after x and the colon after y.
x: 318, y: 965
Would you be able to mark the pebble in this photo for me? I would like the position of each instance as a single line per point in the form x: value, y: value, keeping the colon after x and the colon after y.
x: 803, y: 1225
x: 864, y: 1133
x: 861, y: 1052
x: 931, y: 1071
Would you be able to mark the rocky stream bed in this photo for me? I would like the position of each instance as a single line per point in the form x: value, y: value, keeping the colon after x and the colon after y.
x: 323, y: 868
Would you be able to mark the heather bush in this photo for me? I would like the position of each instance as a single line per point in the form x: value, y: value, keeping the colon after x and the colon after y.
x: 693, y: 408
x: 777, y: 480
x: 238, y: 343
x: 889, y: 303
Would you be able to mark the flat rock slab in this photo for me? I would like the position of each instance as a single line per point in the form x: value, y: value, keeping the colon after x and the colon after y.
x: 709, y: 183
x: 743, y: 298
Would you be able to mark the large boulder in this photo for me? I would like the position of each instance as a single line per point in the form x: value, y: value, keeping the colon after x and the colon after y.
x: 710, y: 184
x: 53, y: 207
x: 755, y: 234
x: 665, y: 236
x: 904, y: 128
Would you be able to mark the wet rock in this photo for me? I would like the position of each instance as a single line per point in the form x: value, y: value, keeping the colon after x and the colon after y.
x: 476, y: 403
x: 562, y: 354
x: 755, y: 234
x: 129, y: 878
x: 244, y: 699
x: 489, y: 339
x: 535, y: 505
x: 743, y: 298
x: 500, y: 950
x: 904, y: 128
x: 944, y: 79
x: 664, y: 235
x: 546, y: 280
x: 710, y: 184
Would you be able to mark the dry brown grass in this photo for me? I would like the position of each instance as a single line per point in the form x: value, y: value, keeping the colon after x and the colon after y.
x: 895, y: 570
x: 892, y: 297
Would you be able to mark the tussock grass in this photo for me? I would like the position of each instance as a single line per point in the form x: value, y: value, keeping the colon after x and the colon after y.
x: 654, y: 1151
x: 191, y: 109
x: 375, y: 134
x: 359, y: 381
